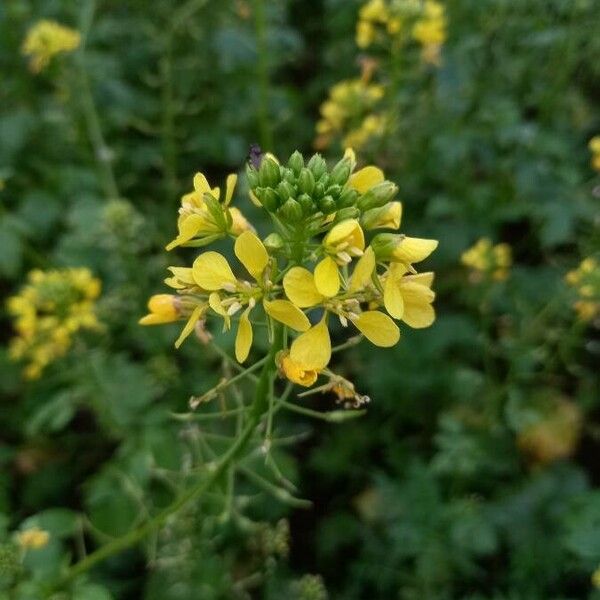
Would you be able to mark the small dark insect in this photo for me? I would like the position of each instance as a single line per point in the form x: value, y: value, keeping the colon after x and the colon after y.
x: 255, y: 156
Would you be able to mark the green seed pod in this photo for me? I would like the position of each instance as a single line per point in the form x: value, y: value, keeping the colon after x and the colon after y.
x: 327, y: 205
x: 291, y: 211
x: 270, y: 199
x: 308, y: 206
x: 351, y: 212
x: 269, y: 174
x: 306, y: 181
x: 252, y: 176
x: 273, y: 242
x: 377, y: 196
x: 341, y: 172
x: 347, y: 198
x: 286, y: 190
x: 317, y: 165
x: 296, y: 162
x: 334, y: 191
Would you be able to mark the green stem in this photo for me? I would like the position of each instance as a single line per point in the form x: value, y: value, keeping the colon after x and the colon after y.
x: 257, y: 410
x: 102, y: 152
x: 262, y: 72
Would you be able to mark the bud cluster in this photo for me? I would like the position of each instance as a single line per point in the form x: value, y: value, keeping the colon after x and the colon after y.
x: 299, y: 191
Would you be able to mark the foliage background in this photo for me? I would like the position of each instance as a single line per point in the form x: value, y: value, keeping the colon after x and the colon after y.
x: 431, y: 494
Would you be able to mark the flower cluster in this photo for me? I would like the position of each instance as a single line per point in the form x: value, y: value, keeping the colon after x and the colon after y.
x: 594, y: 146
x: 45, y: 40
x: 316, y: 267
x: 349, y: 112
x: 400, y: 20
x: 47, y: 312
x: 586, y: 280
x: 488, y: 262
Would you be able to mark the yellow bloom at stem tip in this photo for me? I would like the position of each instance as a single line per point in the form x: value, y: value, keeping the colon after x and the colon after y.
x: 45, y: 40
x: 162, y: 309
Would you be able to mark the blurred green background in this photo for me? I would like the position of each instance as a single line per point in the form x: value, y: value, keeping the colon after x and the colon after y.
x: 474, y: 472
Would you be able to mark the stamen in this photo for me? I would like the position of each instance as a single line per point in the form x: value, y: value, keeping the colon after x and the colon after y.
x: 229, y: 287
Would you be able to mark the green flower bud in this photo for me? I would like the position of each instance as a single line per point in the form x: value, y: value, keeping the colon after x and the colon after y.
x: 334, y: 190
x: 273, y: 241
x: 291, y: 211
x: 319, y: 191
x: 252, y: 176
x: 341, y: 172
x: 327, y: 205
x: 347, y: 198
x: 307, y: 204
x: 269, y: 175
x: 324, y: 180
x: 286, y: 190
x: 317, y: 165
x: 351, y: 212
x: 296, y: 162
x: 288, y: 175
x: 378, y: 195
x: 306, y: 181
x: 384, y: 244
x: 270, y: 199
x: 215, y: 208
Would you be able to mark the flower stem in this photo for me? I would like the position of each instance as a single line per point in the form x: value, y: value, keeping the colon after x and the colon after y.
x: 257, y: 410
x: 262, y: 68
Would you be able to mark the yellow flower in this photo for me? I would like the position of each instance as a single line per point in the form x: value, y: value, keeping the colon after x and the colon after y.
x: 47, y: 312
x: 45, y: 40
x: 344, y: 241
x: 295, y: 372
x: 203, y: 219
x: 586, y: 280
x: 594, y: 146
x: 596, y: 578
x: 212, y: 272
x: 33, y: 539
x: 488, y: 261
x: 385, y: 217
x: 163, y: 309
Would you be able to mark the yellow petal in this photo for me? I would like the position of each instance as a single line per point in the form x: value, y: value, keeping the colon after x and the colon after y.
x: 300, y: 288
x: 239, y: 222
x: 312, y: 350
x: 252, y: 254
x: 327, y: 277
x: 183, y: 274
x: 229, y: 187
x: 412, y: 250
x: 189, y: 326
x: 211, y: 271
x: 287, y: 313
x: 188, y: 228
x: 425, y: 279
x: 348, y: 231
x: 392, y: 298
x: 363, y: 180
x: 243, y: 339
x: 214, y: 301
x: 201, y: 184
x: 418, y: 311
x: 297, y: 374
x: 361, y: 276
x: 378, y: 328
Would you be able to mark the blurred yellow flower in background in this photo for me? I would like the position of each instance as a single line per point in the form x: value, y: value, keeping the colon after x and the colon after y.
x: 594, y: 146
x: 487, y: 261
x: 33, y: 539
x: 48, y: 311
x: 586, y: 281
x: 45, y: 40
